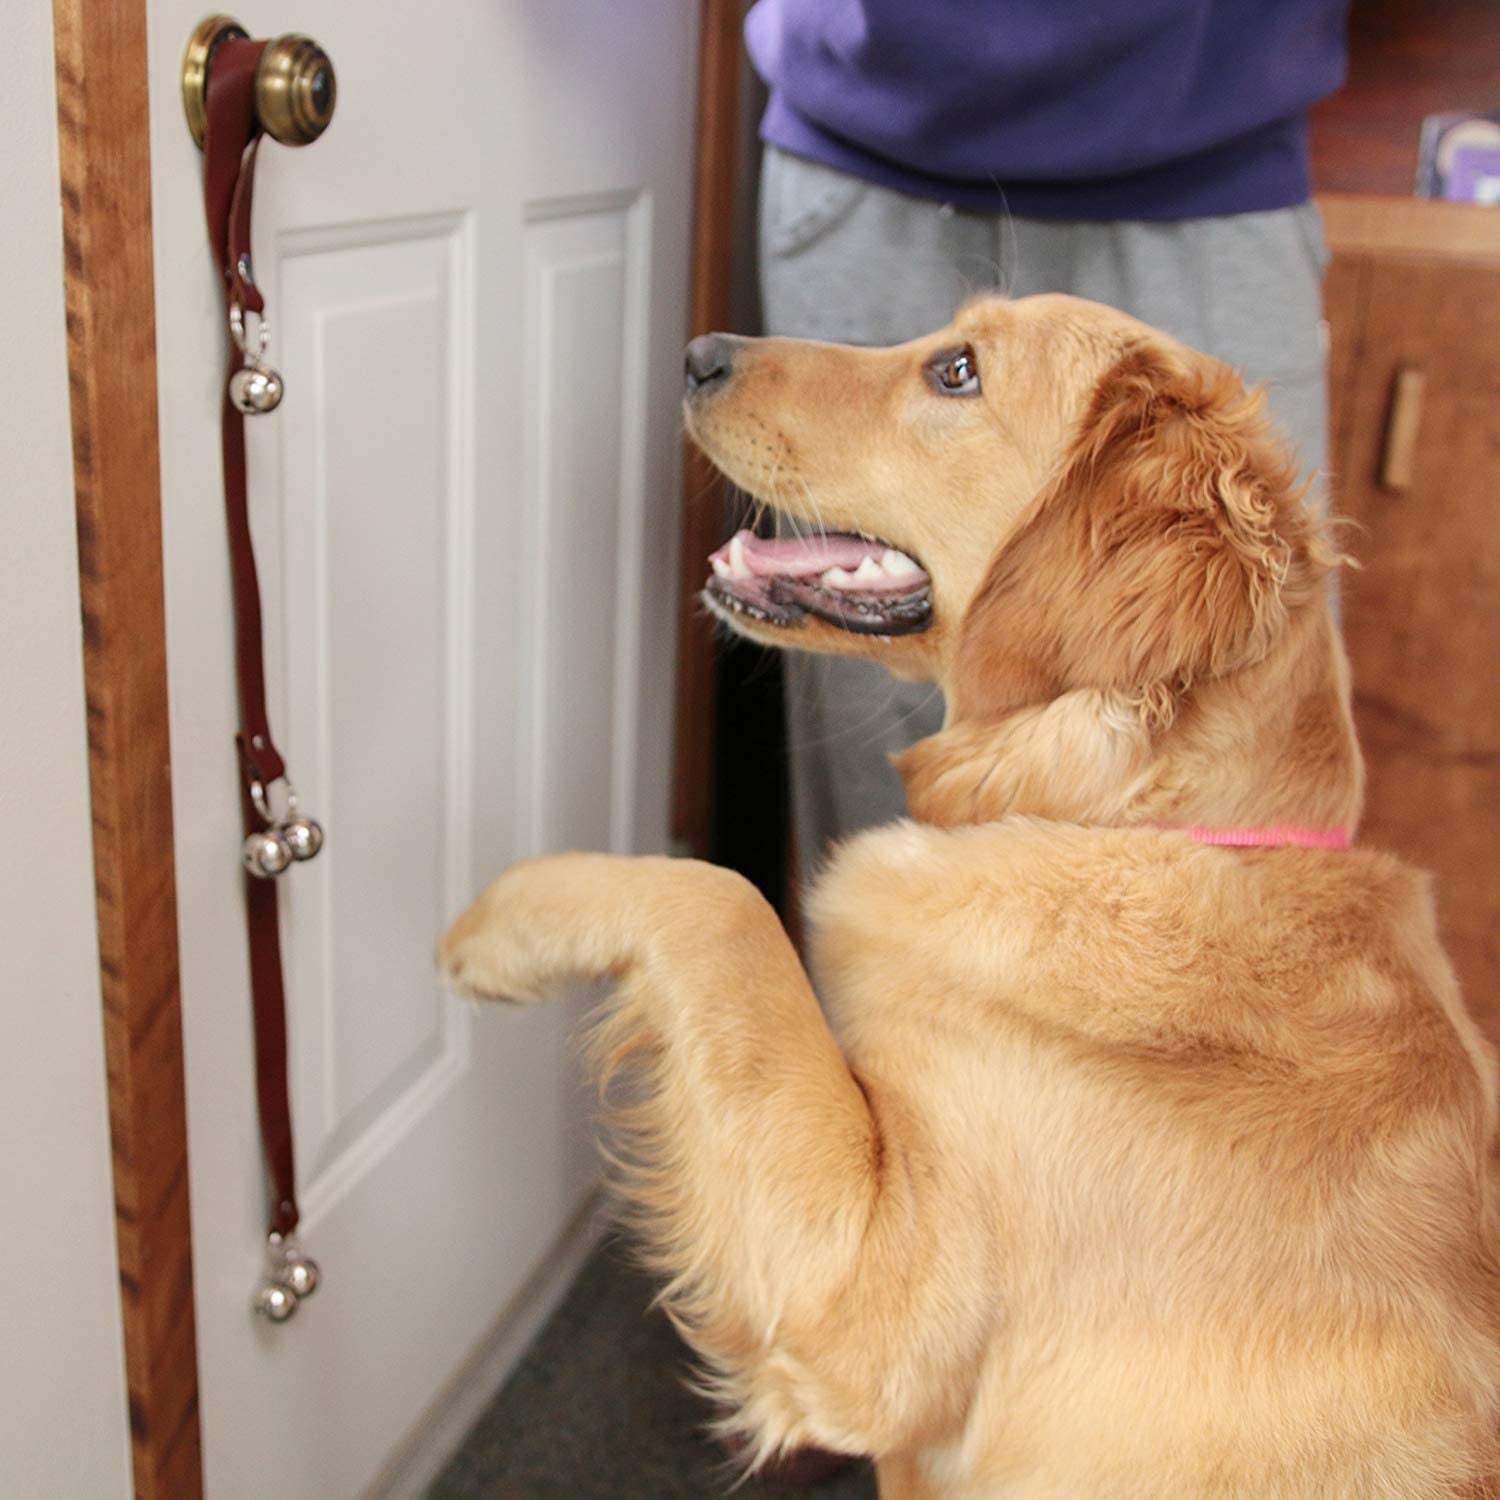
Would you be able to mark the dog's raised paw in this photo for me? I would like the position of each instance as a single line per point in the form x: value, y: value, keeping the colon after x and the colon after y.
x: 518, y: 940
x: 477, y: 957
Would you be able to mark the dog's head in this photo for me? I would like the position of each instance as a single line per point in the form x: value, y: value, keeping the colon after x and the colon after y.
x: 1046, y: 495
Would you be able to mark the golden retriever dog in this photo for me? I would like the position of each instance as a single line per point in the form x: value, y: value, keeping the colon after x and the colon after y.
x: 1138, y: 1146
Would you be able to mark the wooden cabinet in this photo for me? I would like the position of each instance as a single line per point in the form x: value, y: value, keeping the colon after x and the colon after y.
x: 1413, y: 298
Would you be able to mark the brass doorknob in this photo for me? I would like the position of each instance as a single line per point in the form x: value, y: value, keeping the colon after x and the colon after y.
x: 295, y: 88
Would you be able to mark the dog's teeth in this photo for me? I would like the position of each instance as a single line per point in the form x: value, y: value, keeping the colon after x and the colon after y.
x: 721, y: 568
x: 868, y: 569
x: 897, y: 564
x: 738, y: 567
x: 837, y: 578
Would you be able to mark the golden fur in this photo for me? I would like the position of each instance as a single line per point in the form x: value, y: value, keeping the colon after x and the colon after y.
x: 1122, y: 1166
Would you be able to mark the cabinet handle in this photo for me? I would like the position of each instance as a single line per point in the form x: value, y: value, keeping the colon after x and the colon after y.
x: 1399, y: 455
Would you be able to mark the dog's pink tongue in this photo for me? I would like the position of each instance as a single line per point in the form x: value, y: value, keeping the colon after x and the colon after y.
x: 799, y: 556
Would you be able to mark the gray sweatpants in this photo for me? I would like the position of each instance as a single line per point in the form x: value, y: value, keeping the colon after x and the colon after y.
x: 846, y: 260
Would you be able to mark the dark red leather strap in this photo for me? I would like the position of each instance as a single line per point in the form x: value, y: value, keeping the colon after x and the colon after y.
x: 230, y: 142
x: 231, y: 139
x: 268, y: 1001
x: 230, y: 133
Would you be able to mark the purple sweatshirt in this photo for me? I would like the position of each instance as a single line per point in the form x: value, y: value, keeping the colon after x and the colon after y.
x: 1057, y: 109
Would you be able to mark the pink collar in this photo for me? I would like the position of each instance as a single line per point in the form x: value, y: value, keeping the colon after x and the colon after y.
x: 1273, y: 836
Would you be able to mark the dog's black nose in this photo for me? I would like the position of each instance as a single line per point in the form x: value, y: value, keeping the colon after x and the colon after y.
x: 710, y: 358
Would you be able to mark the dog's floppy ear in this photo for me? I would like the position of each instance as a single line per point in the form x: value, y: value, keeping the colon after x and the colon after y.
x: 1168, y: 547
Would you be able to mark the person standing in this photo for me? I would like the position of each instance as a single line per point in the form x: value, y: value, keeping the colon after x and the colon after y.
x: 1153, y: 156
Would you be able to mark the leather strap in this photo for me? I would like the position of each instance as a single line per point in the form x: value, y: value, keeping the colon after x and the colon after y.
x: 231, y: 139
x: 230, y: 132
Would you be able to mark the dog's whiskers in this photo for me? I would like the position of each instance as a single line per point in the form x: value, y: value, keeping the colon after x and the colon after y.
x: 805, y: 684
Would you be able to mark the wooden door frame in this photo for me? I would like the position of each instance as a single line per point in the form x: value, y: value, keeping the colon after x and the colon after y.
x: 104, y: 136
x: 715, y: 186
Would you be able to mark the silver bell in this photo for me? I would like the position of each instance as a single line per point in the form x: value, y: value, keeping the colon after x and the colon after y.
x: 300, y: 1275
x: 303, y: 835
x: 275, y: 1302
x: 266, y: 854
x: 255, y: 388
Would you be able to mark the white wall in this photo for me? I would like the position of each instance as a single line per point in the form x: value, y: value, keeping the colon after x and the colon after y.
x: 63, y: 1426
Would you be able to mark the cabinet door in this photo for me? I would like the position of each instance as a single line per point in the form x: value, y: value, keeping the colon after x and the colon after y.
x: 1422, y: 616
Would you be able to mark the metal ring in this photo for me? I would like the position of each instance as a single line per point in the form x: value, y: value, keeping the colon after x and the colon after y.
x: 262, y: 802
x: 237, y: 332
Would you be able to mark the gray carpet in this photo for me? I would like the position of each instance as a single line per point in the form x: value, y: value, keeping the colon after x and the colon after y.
x: 598, y: 1409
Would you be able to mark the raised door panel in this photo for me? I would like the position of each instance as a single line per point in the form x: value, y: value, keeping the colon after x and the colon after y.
x: 586, y: 261
x: 370, y: 636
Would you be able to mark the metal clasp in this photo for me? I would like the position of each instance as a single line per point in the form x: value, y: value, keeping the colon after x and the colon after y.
x: 237, y: 332
x: 260, y: 799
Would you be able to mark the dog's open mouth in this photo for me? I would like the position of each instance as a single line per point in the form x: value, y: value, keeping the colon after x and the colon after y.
x: 858, y: 583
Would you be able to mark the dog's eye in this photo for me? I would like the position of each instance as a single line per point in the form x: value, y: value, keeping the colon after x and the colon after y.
x: 957, y: 374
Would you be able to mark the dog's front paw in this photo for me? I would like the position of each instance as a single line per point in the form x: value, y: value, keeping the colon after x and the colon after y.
x: 487, y: 952
x: 514, y: 942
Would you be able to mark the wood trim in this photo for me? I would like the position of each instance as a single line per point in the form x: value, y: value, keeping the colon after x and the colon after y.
x: 104, y: 138
x: 714, y: 188
x: 1374, y: 224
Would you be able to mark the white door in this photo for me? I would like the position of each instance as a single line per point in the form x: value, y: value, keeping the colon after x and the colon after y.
x: 465, y: 512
